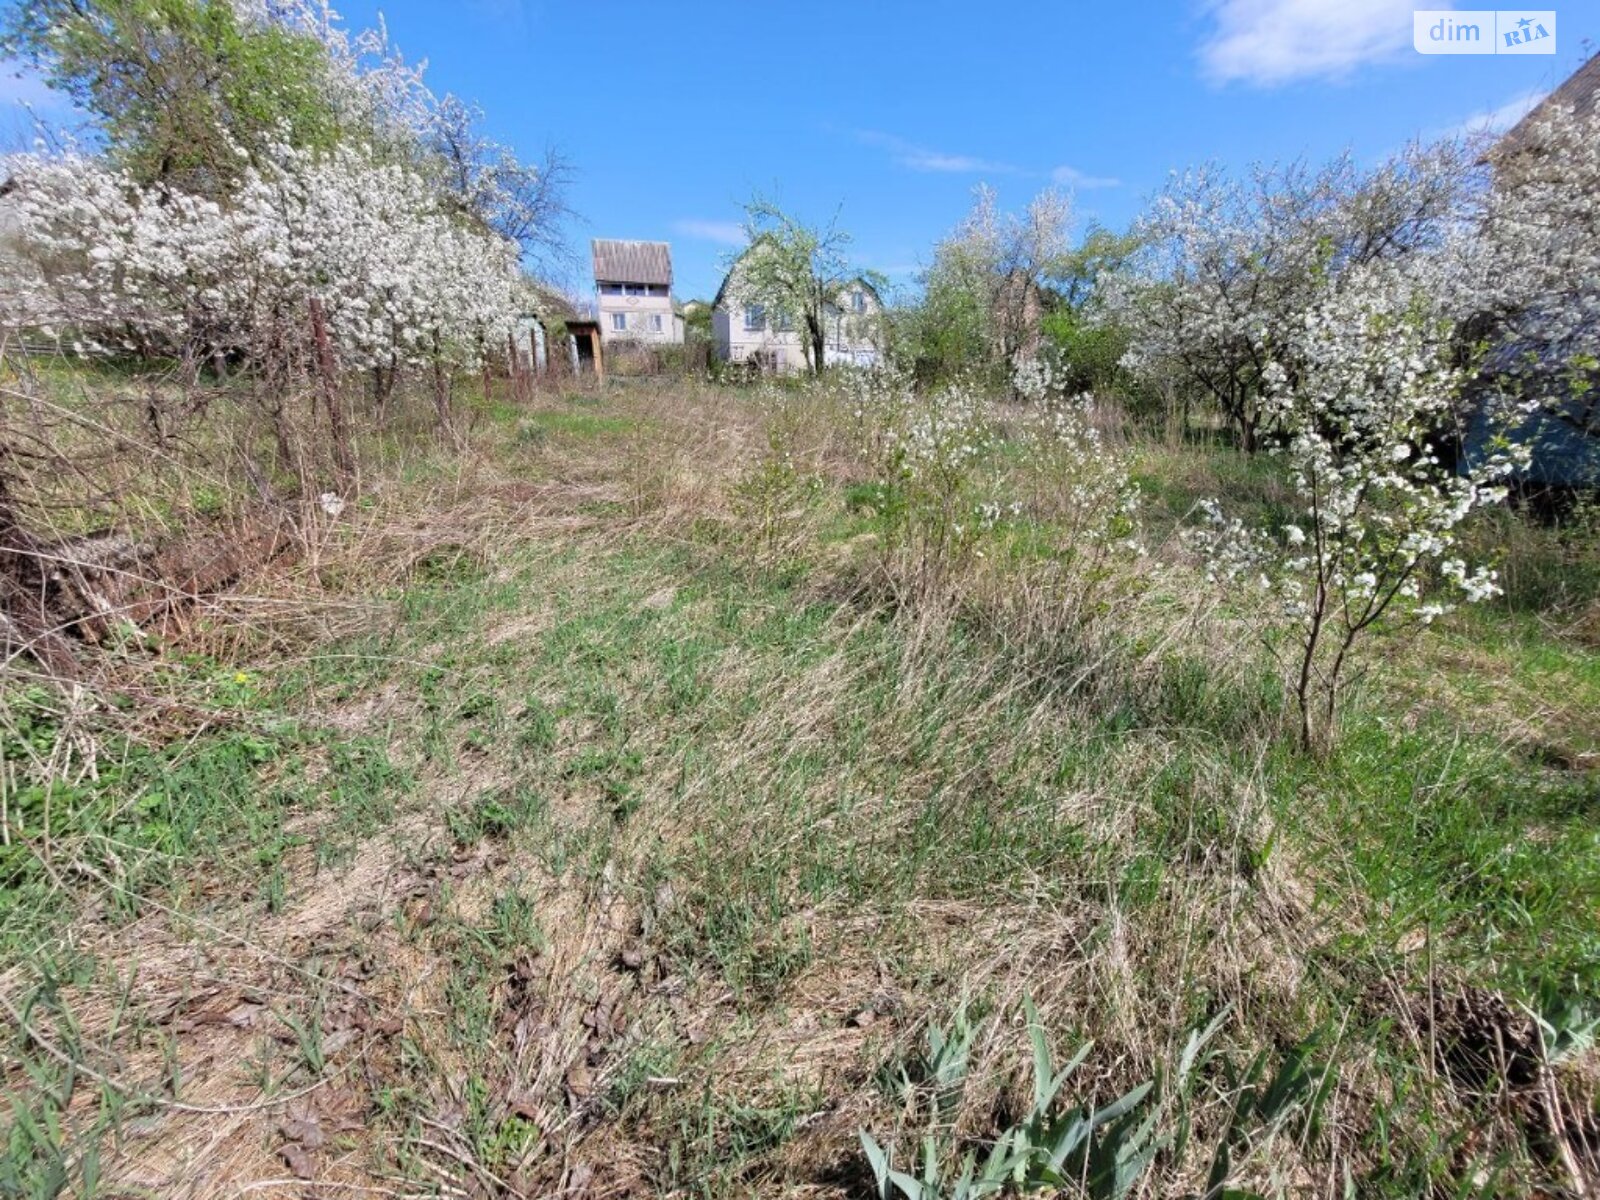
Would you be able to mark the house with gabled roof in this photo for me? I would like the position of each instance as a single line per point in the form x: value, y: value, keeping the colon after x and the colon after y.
x: 633, y: 292
x: 1580, y: 92
x: 1563, y: 429
x: 743, y: 330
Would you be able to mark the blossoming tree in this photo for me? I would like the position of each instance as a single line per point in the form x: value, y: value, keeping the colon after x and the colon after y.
x: 398, y: 245
x: 1226, y: 268
x: 985, y: 291
x: 1530, y: 282
x: 1375, y: 543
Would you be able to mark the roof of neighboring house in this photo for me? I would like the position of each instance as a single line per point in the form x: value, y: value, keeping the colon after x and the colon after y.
x: 553, y: 305
x: 858, y: 281
x: 632, y: 262
x: 1581, y: 93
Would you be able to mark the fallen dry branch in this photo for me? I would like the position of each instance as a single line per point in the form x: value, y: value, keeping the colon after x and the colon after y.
x: 57, y: 597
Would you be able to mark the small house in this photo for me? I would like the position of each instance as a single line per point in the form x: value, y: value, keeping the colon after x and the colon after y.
x: 633, y: 292
x: 744, y: 330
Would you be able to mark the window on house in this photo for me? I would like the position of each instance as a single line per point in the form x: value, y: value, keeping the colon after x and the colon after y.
x: 858, y: 301
x: 619, y: 322
x: 755, y: 318
x: 611, y: 289
x: 782, y: 322
x: 655, y: 322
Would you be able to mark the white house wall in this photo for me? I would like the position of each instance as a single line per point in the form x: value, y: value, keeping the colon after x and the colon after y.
x: 850, y: 336
x: 637, y: 311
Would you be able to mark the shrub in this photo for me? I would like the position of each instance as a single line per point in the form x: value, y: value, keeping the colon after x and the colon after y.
x: 1380, y: 510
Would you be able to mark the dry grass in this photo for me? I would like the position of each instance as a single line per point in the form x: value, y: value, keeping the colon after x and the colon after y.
x: 637, y: 814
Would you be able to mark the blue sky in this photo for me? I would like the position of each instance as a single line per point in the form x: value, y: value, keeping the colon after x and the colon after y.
x: 890, y: 113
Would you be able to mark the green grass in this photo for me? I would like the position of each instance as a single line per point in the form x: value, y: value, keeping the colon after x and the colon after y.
x: 576, y: 424
x: 1173, y: 480
x: 579, y: 418
x: 675, y: 814
x: 1498, y: 864
x: 153, y: 818
x: 1437, y: 820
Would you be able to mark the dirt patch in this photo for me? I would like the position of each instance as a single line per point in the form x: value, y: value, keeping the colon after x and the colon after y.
x: 1496, y: 1054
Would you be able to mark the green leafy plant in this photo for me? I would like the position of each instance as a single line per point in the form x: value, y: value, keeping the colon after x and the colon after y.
x: 1102, y: 1151
x: 940, y: 1071
x: 998, y: 1169
x: 1264, y: 1106
x: 1052, y: 1147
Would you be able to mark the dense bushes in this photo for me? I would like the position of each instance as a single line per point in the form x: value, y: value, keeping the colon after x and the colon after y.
x: 259, y: 160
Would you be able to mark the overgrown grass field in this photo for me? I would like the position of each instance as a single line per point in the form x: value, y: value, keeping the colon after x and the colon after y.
x: 624, y: 806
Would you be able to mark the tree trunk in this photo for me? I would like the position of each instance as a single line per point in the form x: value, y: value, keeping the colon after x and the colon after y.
x: 383, y: 381
x: 156, y: 418
x: 327, y: 377
x: 441, y: 397
x: 441, y: 394
x: 269, y: 399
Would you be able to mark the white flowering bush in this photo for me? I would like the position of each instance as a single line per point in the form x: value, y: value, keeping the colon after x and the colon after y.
x: 959, y: 478
x: 363, y: 195
x: 931, y: 456
x: 1531, y: 280
x: 1375, y: 542
x: 1226, y: 268
x: 134, y: 267
x: 1080, y: 483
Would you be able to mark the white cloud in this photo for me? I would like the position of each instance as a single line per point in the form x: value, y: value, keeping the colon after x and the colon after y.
x: 1498, y: 120
x: 1268, y: 42
x: 726, y: 233
x: 920, y: 158
x: 1074, y: 178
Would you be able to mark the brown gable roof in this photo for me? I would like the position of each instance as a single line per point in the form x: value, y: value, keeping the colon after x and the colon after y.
x: 1581, y: 93
x: 632, y: 262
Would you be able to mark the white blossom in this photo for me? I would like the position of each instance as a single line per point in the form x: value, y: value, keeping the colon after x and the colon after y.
x: 1375, y: 541
x: 400, y: 278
